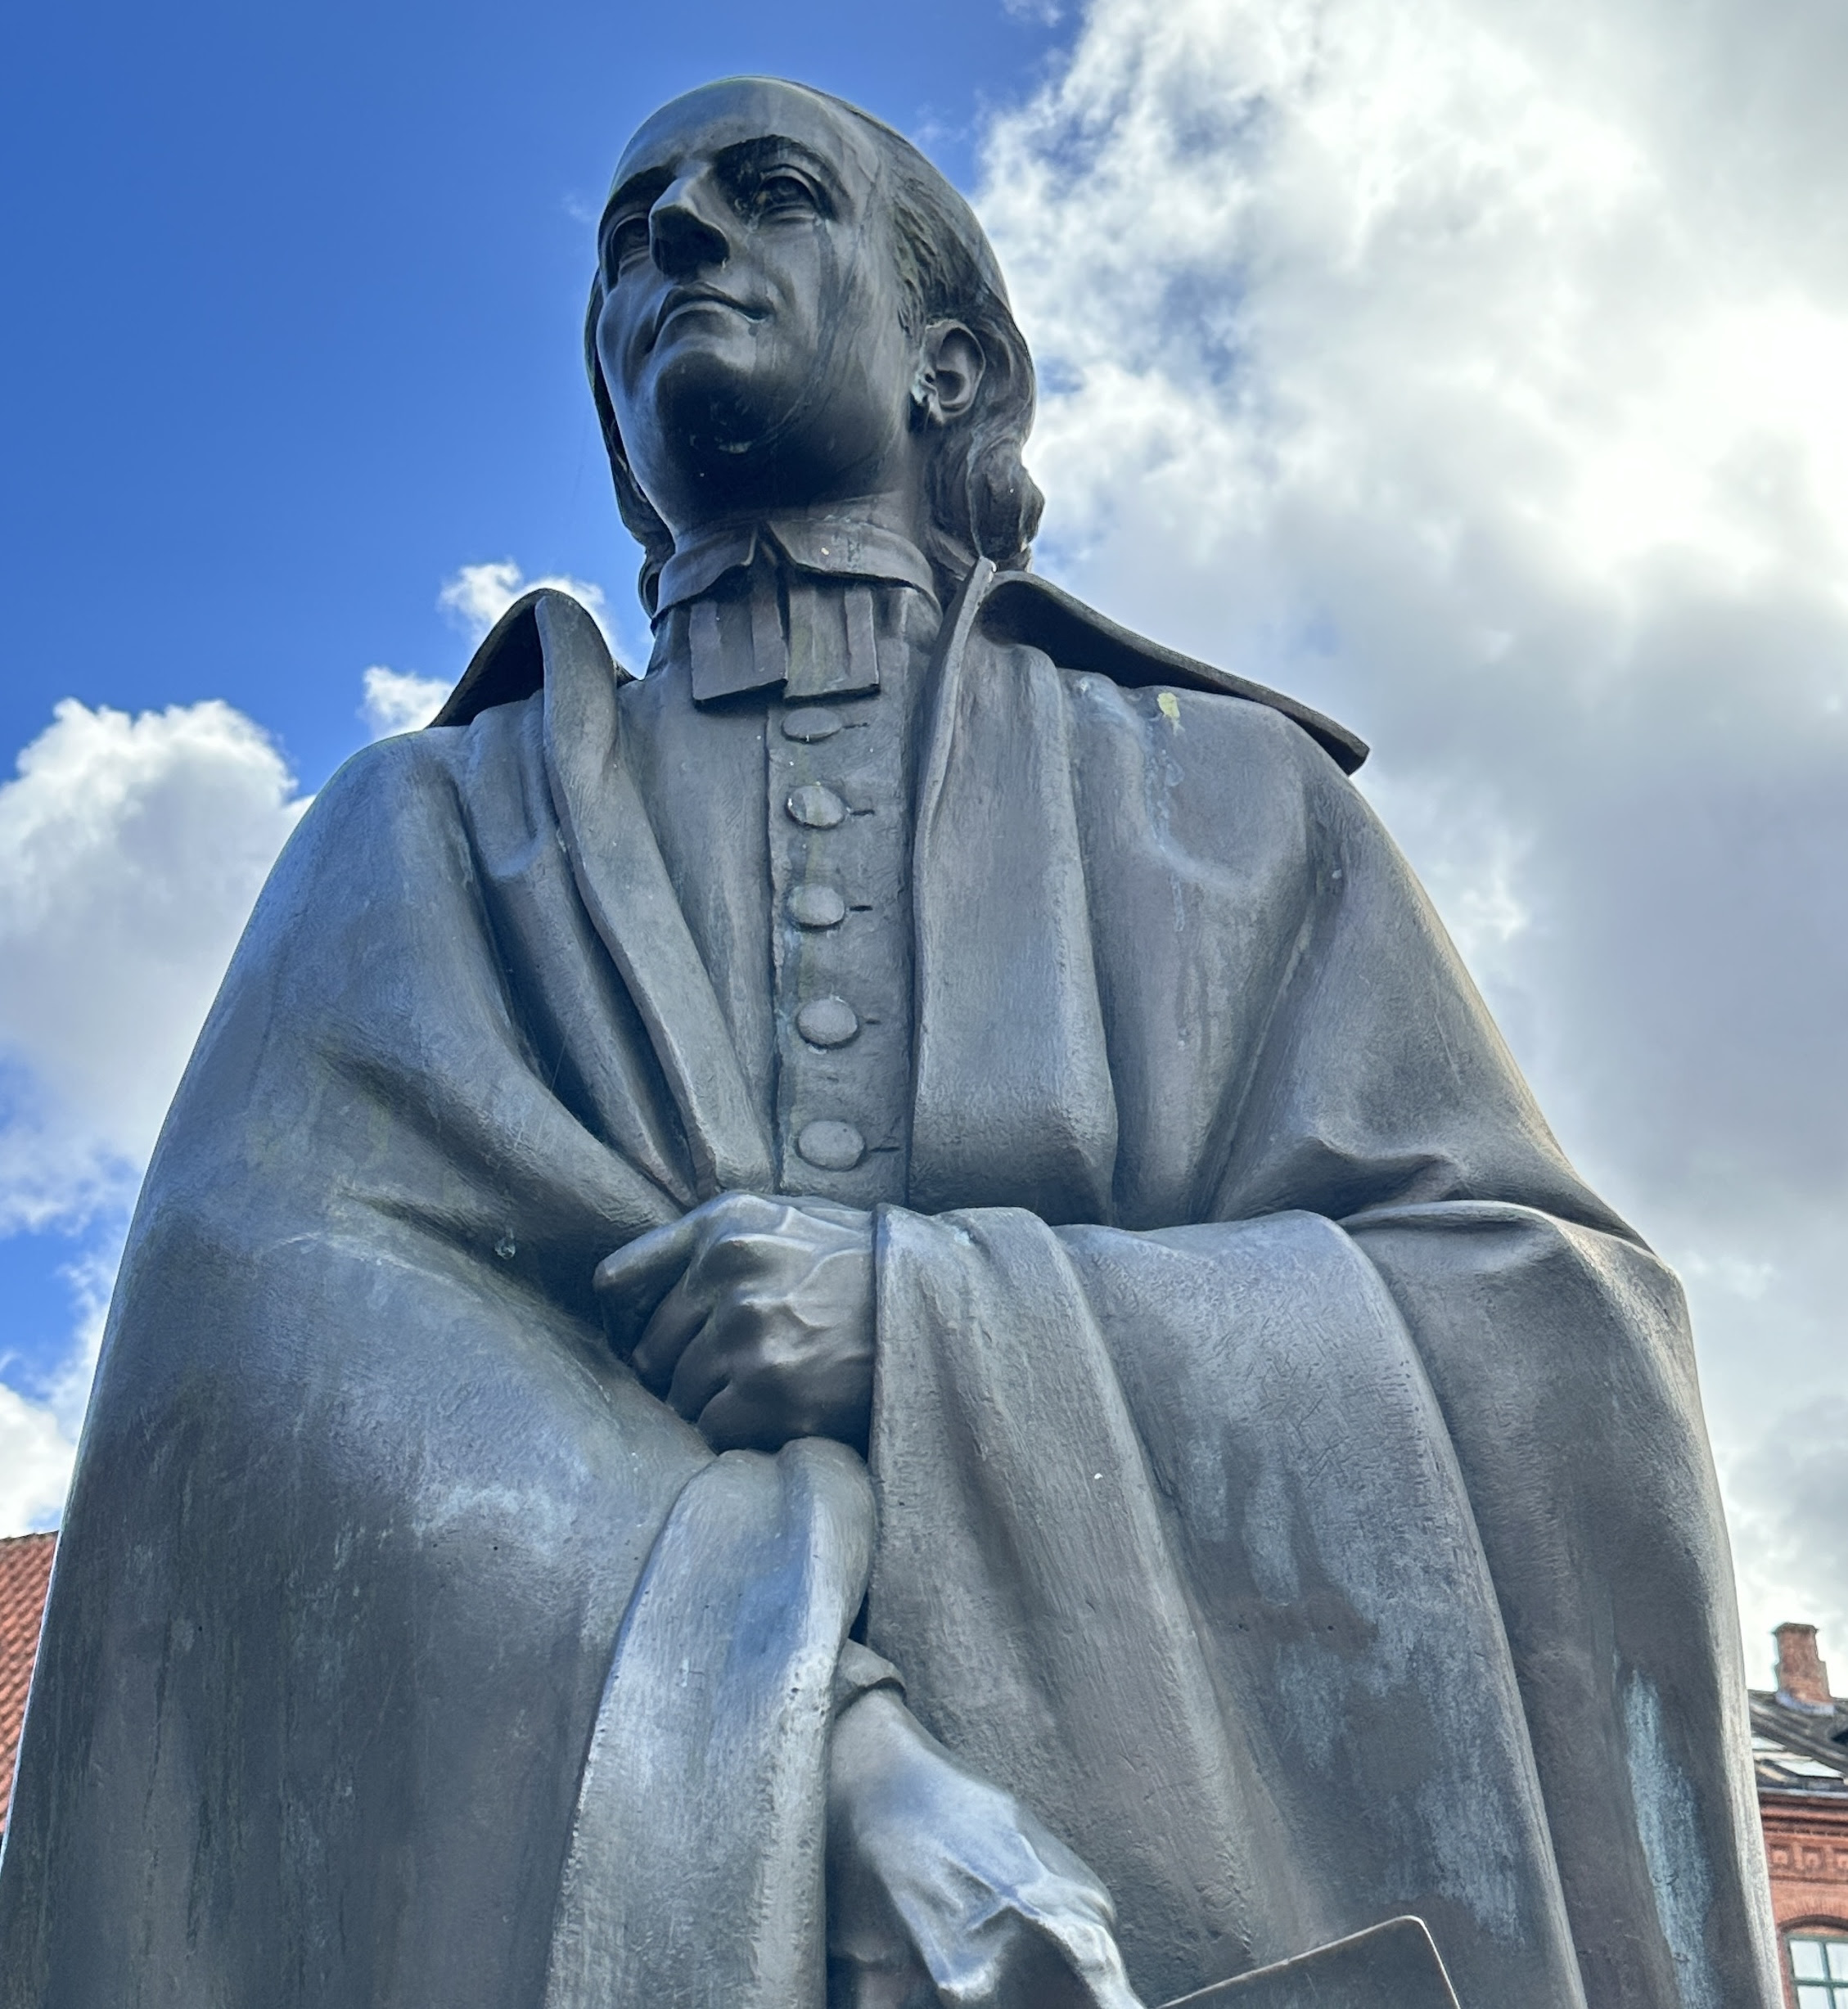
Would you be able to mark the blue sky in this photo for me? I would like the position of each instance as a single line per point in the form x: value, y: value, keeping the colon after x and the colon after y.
x: 293, y: 314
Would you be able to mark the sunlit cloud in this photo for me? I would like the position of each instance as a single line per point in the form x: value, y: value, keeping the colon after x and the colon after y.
x: 131, y: 850
x: 478, y: 595
x: 397, y: 701
x: 35, y: 1461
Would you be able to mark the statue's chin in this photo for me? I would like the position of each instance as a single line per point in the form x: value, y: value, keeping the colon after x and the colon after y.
x: 715, y: 397
x: 729, y: 422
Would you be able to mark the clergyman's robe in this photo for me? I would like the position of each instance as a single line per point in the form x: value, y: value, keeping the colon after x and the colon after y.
x: 1285, y: 1474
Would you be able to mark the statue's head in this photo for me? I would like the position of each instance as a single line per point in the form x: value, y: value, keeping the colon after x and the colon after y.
x: 793, y: 309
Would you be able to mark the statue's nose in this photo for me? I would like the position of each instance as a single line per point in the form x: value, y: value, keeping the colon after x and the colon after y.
x: 681, y: 239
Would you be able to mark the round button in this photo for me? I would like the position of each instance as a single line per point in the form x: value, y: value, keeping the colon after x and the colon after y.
x: 831, y: 1147
x: 817, y: 907
x: 816, y: 806
x: 827, y: 1022
x: 810, y: 722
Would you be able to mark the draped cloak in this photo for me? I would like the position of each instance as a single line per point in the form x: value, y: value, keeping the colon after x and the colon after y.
x: 1285, y: 1474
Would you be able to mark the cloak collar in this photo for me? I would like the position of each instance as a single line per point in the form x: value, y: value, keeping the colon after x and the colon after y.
x: 1004, y: 607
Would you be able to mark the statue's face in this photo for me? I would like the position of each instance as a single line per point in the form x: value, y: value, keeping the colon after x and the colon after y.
x: 750, y: 337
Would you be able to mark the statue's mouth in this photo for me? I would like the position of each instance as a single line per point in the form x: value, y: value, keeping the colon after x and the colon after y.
x: 694, y: 298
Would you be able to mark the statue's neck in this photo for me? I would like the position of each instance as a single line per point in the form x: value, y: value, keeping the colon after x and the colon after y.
x: 894, y: 513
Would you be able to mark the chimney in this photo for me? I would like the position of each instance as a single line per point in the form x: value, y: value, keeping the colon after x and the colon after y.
x: 1802, y: 1678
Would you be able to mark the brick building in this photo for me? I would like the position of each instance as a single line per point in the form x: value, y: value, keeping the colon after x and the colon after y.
x: 25, y: 1568
x: 1799, y: 1750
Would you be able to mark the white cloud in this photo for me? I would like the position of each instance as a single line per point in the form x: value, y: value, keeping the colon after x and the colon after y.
x: 397, y: 701
x: 131, y: 850
x: 479, y: 595
x: 39, y: 1427
x: 1480, y: 379
x: 35, y: 1460
x: 475, y: 597
x: 1792, y: 1491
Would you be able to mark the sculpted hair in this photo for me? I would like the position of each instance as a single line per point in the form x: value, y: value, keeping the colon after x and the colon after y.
x: 983, y: 502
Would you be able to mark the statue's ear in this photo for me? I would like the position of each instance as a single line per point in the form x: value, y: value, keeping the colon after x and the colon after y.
x: 510, y: 663
x: 949, y: 373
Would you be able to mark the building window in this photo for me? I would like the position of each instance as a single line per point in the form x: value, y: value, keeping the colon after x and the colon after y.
x: 1818, y: 1964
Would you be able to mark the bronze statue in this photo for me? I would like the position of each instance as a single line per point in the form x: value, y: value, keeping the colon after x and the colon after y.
x: 872, y: 1320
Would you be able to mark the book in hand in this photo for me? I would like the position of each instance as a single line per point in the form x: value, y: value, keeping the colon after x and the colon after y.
x: 1394, y: 1966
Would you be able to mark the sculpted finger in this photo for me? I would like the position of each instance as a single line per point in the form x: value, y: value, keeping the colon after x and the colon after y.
x: 735, y: 1420
x: 631, y: 1283
x: 1113, y: 1991
x: 1065, y: 1905
x: 1088, y: 1952
x: 744, y: 1255
x: 703, y: 1369
x: 1023, y: 1956
x: 676, y: 1321
x: 734, y: 1213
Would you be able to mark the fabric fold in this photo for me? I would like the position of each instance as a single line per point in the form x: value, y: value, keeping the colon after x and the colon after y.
x: 1004, y: 966
x: 626, y: 887
x: 1537, y: 1333
x: 1021, y: 1550
x: 725, y: 1671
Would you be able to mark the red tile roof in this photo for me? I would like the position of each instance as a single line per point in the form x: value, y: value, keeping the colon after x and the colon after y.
x: 25, y: 1568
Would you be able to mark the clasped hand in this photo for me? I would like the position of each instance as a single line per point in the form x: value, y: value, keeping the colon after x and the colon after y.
x: 944, y: 1891
x: 753, y: 1317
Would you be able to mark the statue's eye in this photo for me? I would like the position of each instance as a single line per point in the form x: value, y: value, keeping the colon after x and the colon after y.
x: 781, y: 192
x: 626, y: 241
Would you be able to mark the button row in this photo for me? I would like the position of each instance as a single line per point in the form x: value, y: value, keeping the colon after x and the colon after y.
x: 828, y: 1145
